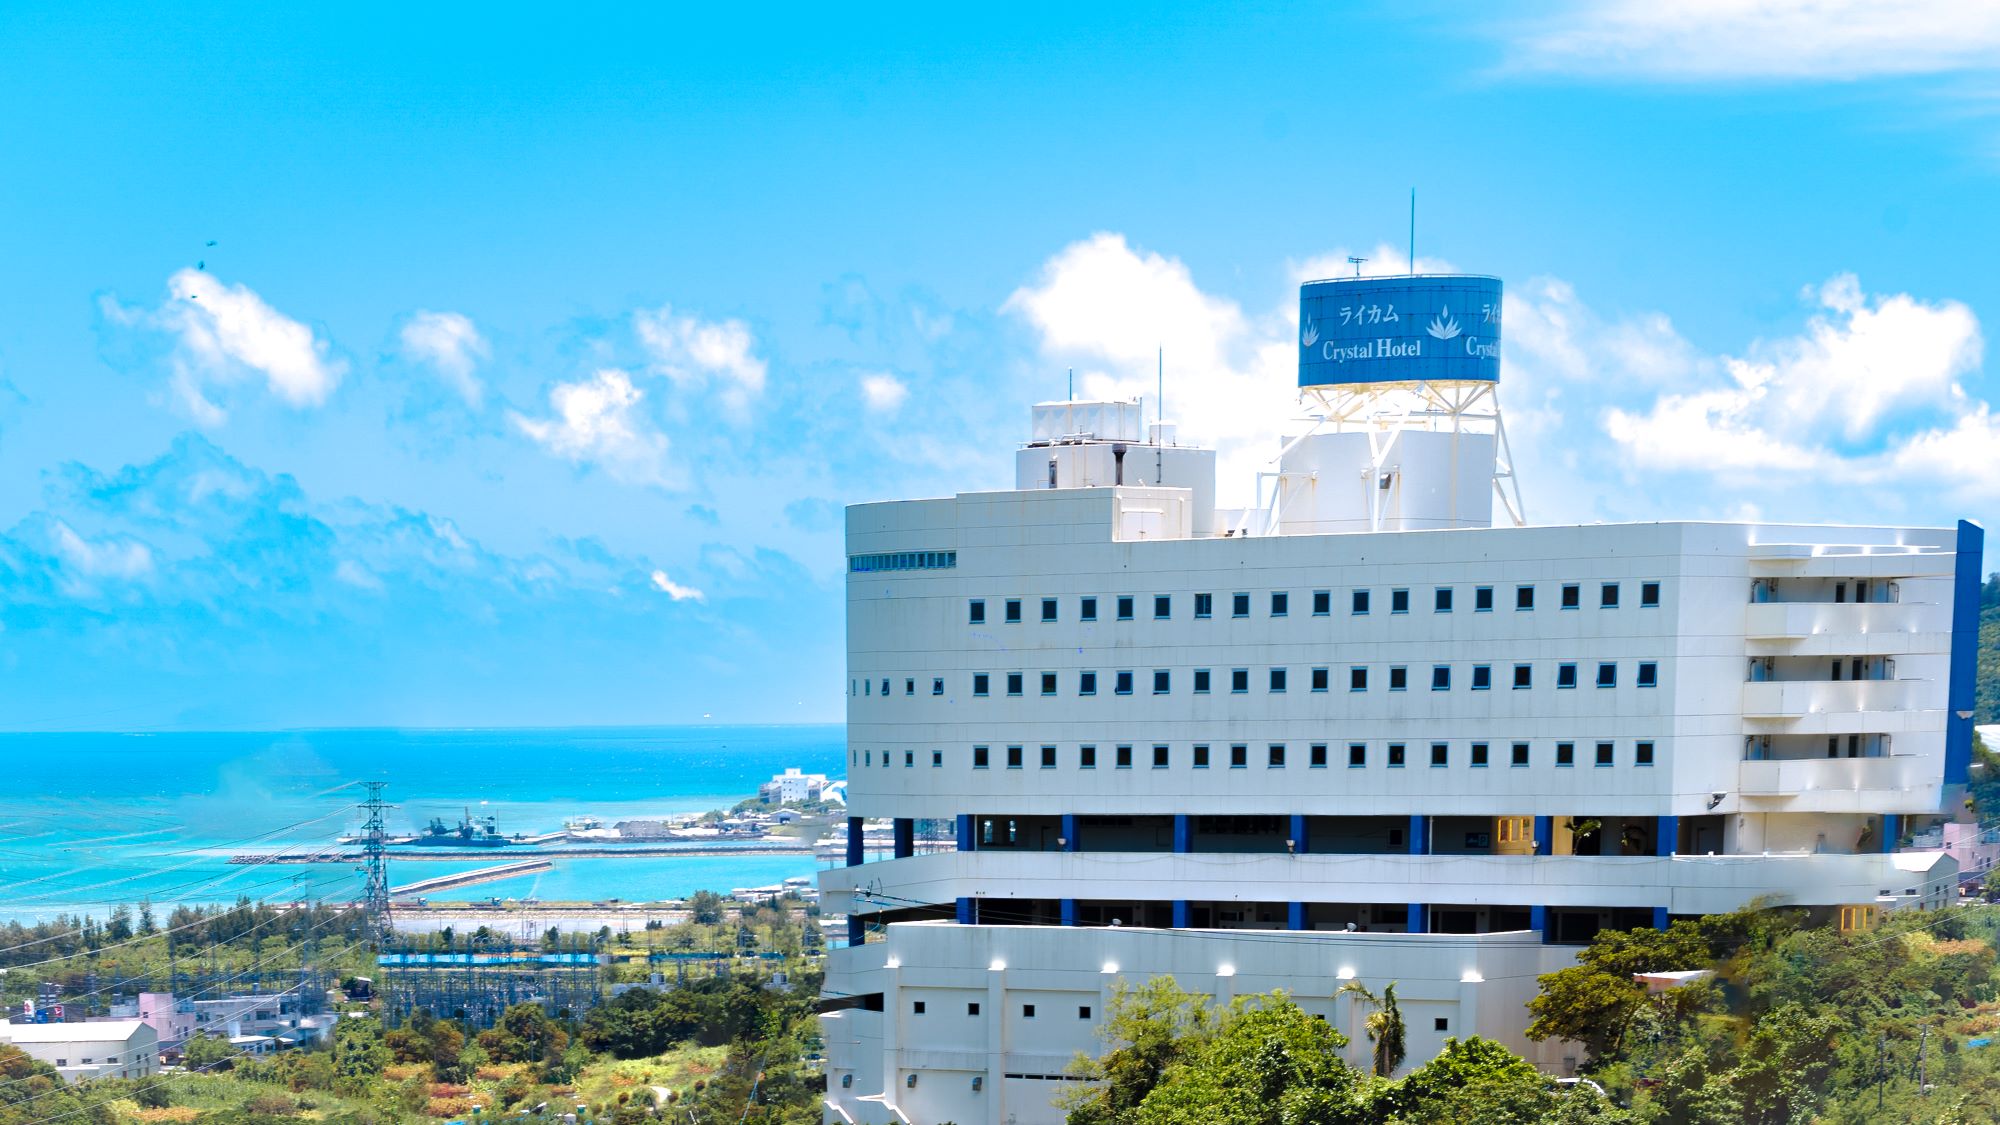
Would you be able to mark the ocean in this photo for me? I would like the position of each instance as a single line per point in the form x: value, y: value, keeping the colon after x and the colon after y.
x: 91, y: 820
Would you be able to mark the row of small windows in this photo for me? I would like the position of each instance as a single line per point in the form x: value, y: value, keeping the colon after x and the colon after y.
x: 903, y: 560
x: 1278, y: 680
x: 918, y: 1008
x: 1395, y: 755
x: 1360, y: 603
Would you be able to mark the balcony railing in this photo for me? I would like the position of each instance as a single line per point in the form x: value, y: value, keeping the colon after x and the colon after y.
x: 1831, y: 784
x: 1791, y: 621
x: 1795, y: 699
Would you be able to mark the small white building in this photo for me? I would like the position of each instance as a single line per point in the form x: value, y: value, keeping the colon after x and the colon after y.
x: 81, y: 1051
x: 792, y: 787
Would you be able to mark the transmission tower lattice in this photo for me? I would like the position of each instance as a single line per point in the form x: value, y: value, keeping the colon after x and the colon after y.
x: 374, y: 851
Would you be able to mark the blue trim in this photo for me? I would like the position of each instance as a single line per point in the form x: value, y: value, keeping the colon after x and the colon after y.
x: 1964, y: 683
x: 1545, y: 838
x: 1183, y: 834
x: 857, y: 930
x: 1892, y: 829
x: 1420, y: 836
x: 1295, y: 915
x: 1069, y: 833
x: 854, y: 854
x: 1069, y: 912
x: 968, y: 912
x: 1300, y: 843
x: 1183, y: 914
x: 1538, y: 918
x: 903, y: 831
x: 1659, y: 917
x: 1666, y: 835
x: 1420, y: 919
x: 965, y: 840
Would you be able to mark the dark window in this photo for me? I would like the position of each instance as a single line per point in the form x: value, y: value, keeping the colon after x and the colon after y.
x: 1649, y: 595
x: 1239, y: 605
x: 1524, y: 597
x: 1399, y: 679
x: 1013, y: 757
x: 1479, y: 755
x: 1565, y: 753
x: 937, y: 758
x: 1239, y: 757
x: 1048, y: 683
x: 1322, y: 602
x: 1399, y: 601
x: 981, y: 683
x: 1048, y: 757
x: 972, y: 1009
x: 1520, y: 754
x: 1163, y: 607
x: 1123, y: 759
x: 917, y: 1008
x: 1048, y: 609
x: 1572, y: 596
x: 1320, y: 679
x: 1086, y: 757
x: 1482, y: 677
x: 909, y: 758
x: 885, y: 685
x: 1162, y: 682
x: 1239, y: 680
x: 1083, y: 1011
x: 1027, y: 1011
x: 1087, y: 610
x: 1440, y: 1023
x: 1360, y: 602
x: 1013, y: 610
x: 1159, y: 757
x: 1357, y: 679
x: 1604, y: 753
x: 1086, y: 683
x: 1277, y: 679
x: 1201, y: 681
x: 1125, y: 607
x: 1649, y: 674
x: 1642, y: 753
x: 909, y: 687
x: 975, y: 611
x: 1441, y: 677
x: 1281, y: 604
x: 937, y: 685
x: 1013, y: 683
x: 1318, y: 759
x: 1565, y: 675
x: 1204, y: 605
x: 1607, y: 596
x: 1440, y: 754
x: 1201, y: 757
x: 979, y: 757
x: 1396, y: 755
x: 1277, y: 759
x: 1441, y: 600
x: 1524, y: 676
x: 1482, y: 599
x: 1357, y: 755
x: 1122, y: 683
x: 1607, y: 675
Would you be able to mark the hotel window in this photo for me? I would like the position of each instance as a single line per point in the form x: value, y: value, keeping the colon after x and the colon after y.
x: 1013, y: 611
x: 1649, y: 595
x: 1441, y: 600
x: 1395, y: 755
x: 1239, y: 757
x: 1642, y: 753
x: 1163, y: 607
x: 1520, y: 757
x: 1524, y: 677
x: 1524, y: 597
x: 1087, y: 610
x: 1607, y: 596
x: 1276, y: 760
x: 909, y: 686
x: 909, y: 758
x: 981, y: 682
x: 1399, y: 678
x: 1277, y: 680
x: 1122, y: 683
x: 1239, y: 605
x: 1360, y: 603
x: 1027, y: 1011
x: 1083, y: 1011
x: 1013, y: 757
x: 972, y: 1009
x: 1565, y: 675
x: 1162, y: 682
x: 1482, y: 599
x: 1048, y: 683
x: 1320, y: 679
x: 1086, y: 683
x: 975, y: 611
x: 1317, y: 758
x: 1440, y: 754
x: 1201, y: 757
x: 1607, y: 675
x: 979, y: 757
x: 1357, y: 679
x: 1048, y: 609
x: 937, y: 685
x: 1086, y: 757
x: 1281, y: 604
x: 1479, y: 755
x: 1013, y: 683
x: 1513, y: 829
x: 1123, y: 757
x: 1201, y: 681
x: 1125, y: 607
x: 1856, y: 918
x: 937, y: 759
x: 1239, y: 680
x: 1441, y: 677
x: 917, y: 1008
x: 1048, y: 757
x: 1649, y: 674
x: 1159, y: 757
x: 1322, y: 602
x: 1482, y: 677
x: 1399, y: 601
x: 1572, y: 596
x: 1604, y: 753
x: 1565, y: 753
x: 1357, y: 755
x: 1204, y: 605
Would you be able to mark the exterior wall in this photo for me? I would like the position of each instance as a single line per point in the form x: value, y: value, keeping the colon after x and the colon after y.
x: 126, y: 1049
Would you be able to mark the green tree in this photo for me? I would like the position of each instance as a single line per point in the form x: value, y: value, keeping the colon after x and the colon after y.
x: 1385, y: 1027
x: 203, y: 1051
x: 705, y: 908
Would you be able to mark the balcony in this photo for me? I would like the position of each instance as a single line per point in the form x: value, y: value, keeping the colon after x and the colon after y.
x: 1909, y: 782
x: 1797, y: 621
x: 1788, y: 700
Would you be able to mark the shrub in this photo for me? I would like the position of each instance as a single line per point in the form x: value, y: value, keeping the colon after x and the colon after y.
x: 448, y: 1107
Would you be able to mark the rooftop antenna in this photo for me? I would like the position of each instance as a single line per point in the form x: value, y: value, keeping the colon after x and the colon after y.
x: 1356, y: 263
x: 1072, y: 384
x: 1413, y: 232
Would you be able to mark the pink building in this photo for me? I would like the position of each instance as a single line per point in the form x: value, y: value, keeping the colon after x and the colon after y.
x: 173, y: 1020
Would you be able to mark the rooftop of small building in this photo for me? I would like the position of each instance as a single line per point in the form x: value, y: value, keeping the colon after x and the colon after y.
x: 109, y: 1031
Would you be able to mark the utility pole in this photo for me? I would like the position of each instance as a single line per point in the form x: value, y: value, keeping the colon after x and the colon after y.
x: 374, y: 850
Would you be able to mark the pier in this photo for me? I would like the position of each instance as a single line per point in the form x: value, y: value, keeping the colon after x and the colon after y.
x: 460, y: 855
x: 468, y: 878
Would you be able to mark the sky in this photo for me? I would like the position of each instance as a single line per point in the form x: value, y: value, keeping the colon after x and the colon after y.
x: 506, y: 365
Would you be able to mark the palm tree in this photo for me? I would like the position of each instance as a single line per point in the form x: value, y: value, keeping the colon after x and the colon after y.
x: 1385, y: 1026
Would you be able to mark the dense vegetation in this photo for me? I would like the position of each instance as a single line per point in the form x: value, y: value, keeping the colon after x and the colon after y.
x: 1987, y: 708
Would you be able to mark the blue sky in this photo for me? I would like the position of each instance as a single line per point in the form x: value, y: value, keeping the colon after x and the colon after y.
x: 483, y: 366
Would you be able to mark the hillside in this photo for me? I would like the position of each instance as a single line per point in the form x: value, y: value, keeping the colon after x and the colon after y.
x: 1988, y: 699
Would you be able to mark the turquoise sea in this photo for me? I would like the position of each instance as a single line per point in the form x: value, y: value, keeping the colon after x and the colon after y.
x: 90, y: 820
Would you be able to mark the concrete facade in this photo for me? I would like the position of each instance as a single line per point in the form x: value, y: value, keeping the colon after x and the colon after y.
x: 82, y: 1051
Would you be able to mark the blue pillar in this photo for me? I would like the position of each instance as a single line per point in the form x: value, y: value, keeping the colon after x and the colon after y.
x: 1538, y: 920
x: 1666, y: 833
x: 1962, y: 682
x: 1659, y: 917
x: 1892, y: 827
x: 1071, y: 842
x: 1069, y: 912
x: 1295, y: 916
x: 857, y: 930
x: 1420, y: 918
x: 904, y: 831
x: 1300, y: 844
x: 1183, y: 833
x: 1420, y: 834
x: 1183, y: 914
x: 965, y: 841
x: 1545, y: 835
x: 853, y: 841
x: 968, y: 912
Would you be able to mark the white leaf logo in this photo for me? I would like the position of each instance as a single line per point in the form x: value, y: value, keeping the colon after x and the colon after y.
x: 1442, y: 326
x: 1311, y: 335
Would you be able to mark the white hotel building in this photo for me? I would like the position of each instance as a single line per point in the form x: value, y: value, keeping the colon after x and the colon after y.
x: 1358, y: 732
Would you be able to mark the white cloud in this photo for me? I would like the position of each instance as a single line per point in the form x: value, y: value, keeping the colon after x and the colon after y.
x: 104, y: 558
x: 675, y: 590
x: 1701, y: 40
x: 225, y: 334
x: 451, y: 344
x: 693, y: 352
x: 598, y: 420
x: 883, y: 392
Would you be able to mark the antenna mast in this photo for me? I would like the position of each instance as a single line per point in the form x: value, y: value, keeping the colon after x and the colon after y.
x: 1413, y: 232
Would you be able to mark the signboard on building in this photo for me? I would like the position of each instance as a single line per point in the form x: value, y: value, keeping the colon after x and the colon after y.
x: 1399, y: 329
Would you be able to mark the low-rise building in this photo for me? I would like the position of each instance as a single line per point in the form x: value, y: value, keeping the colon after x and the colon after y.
x: 792, y: 787
x: 81, y: 1051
